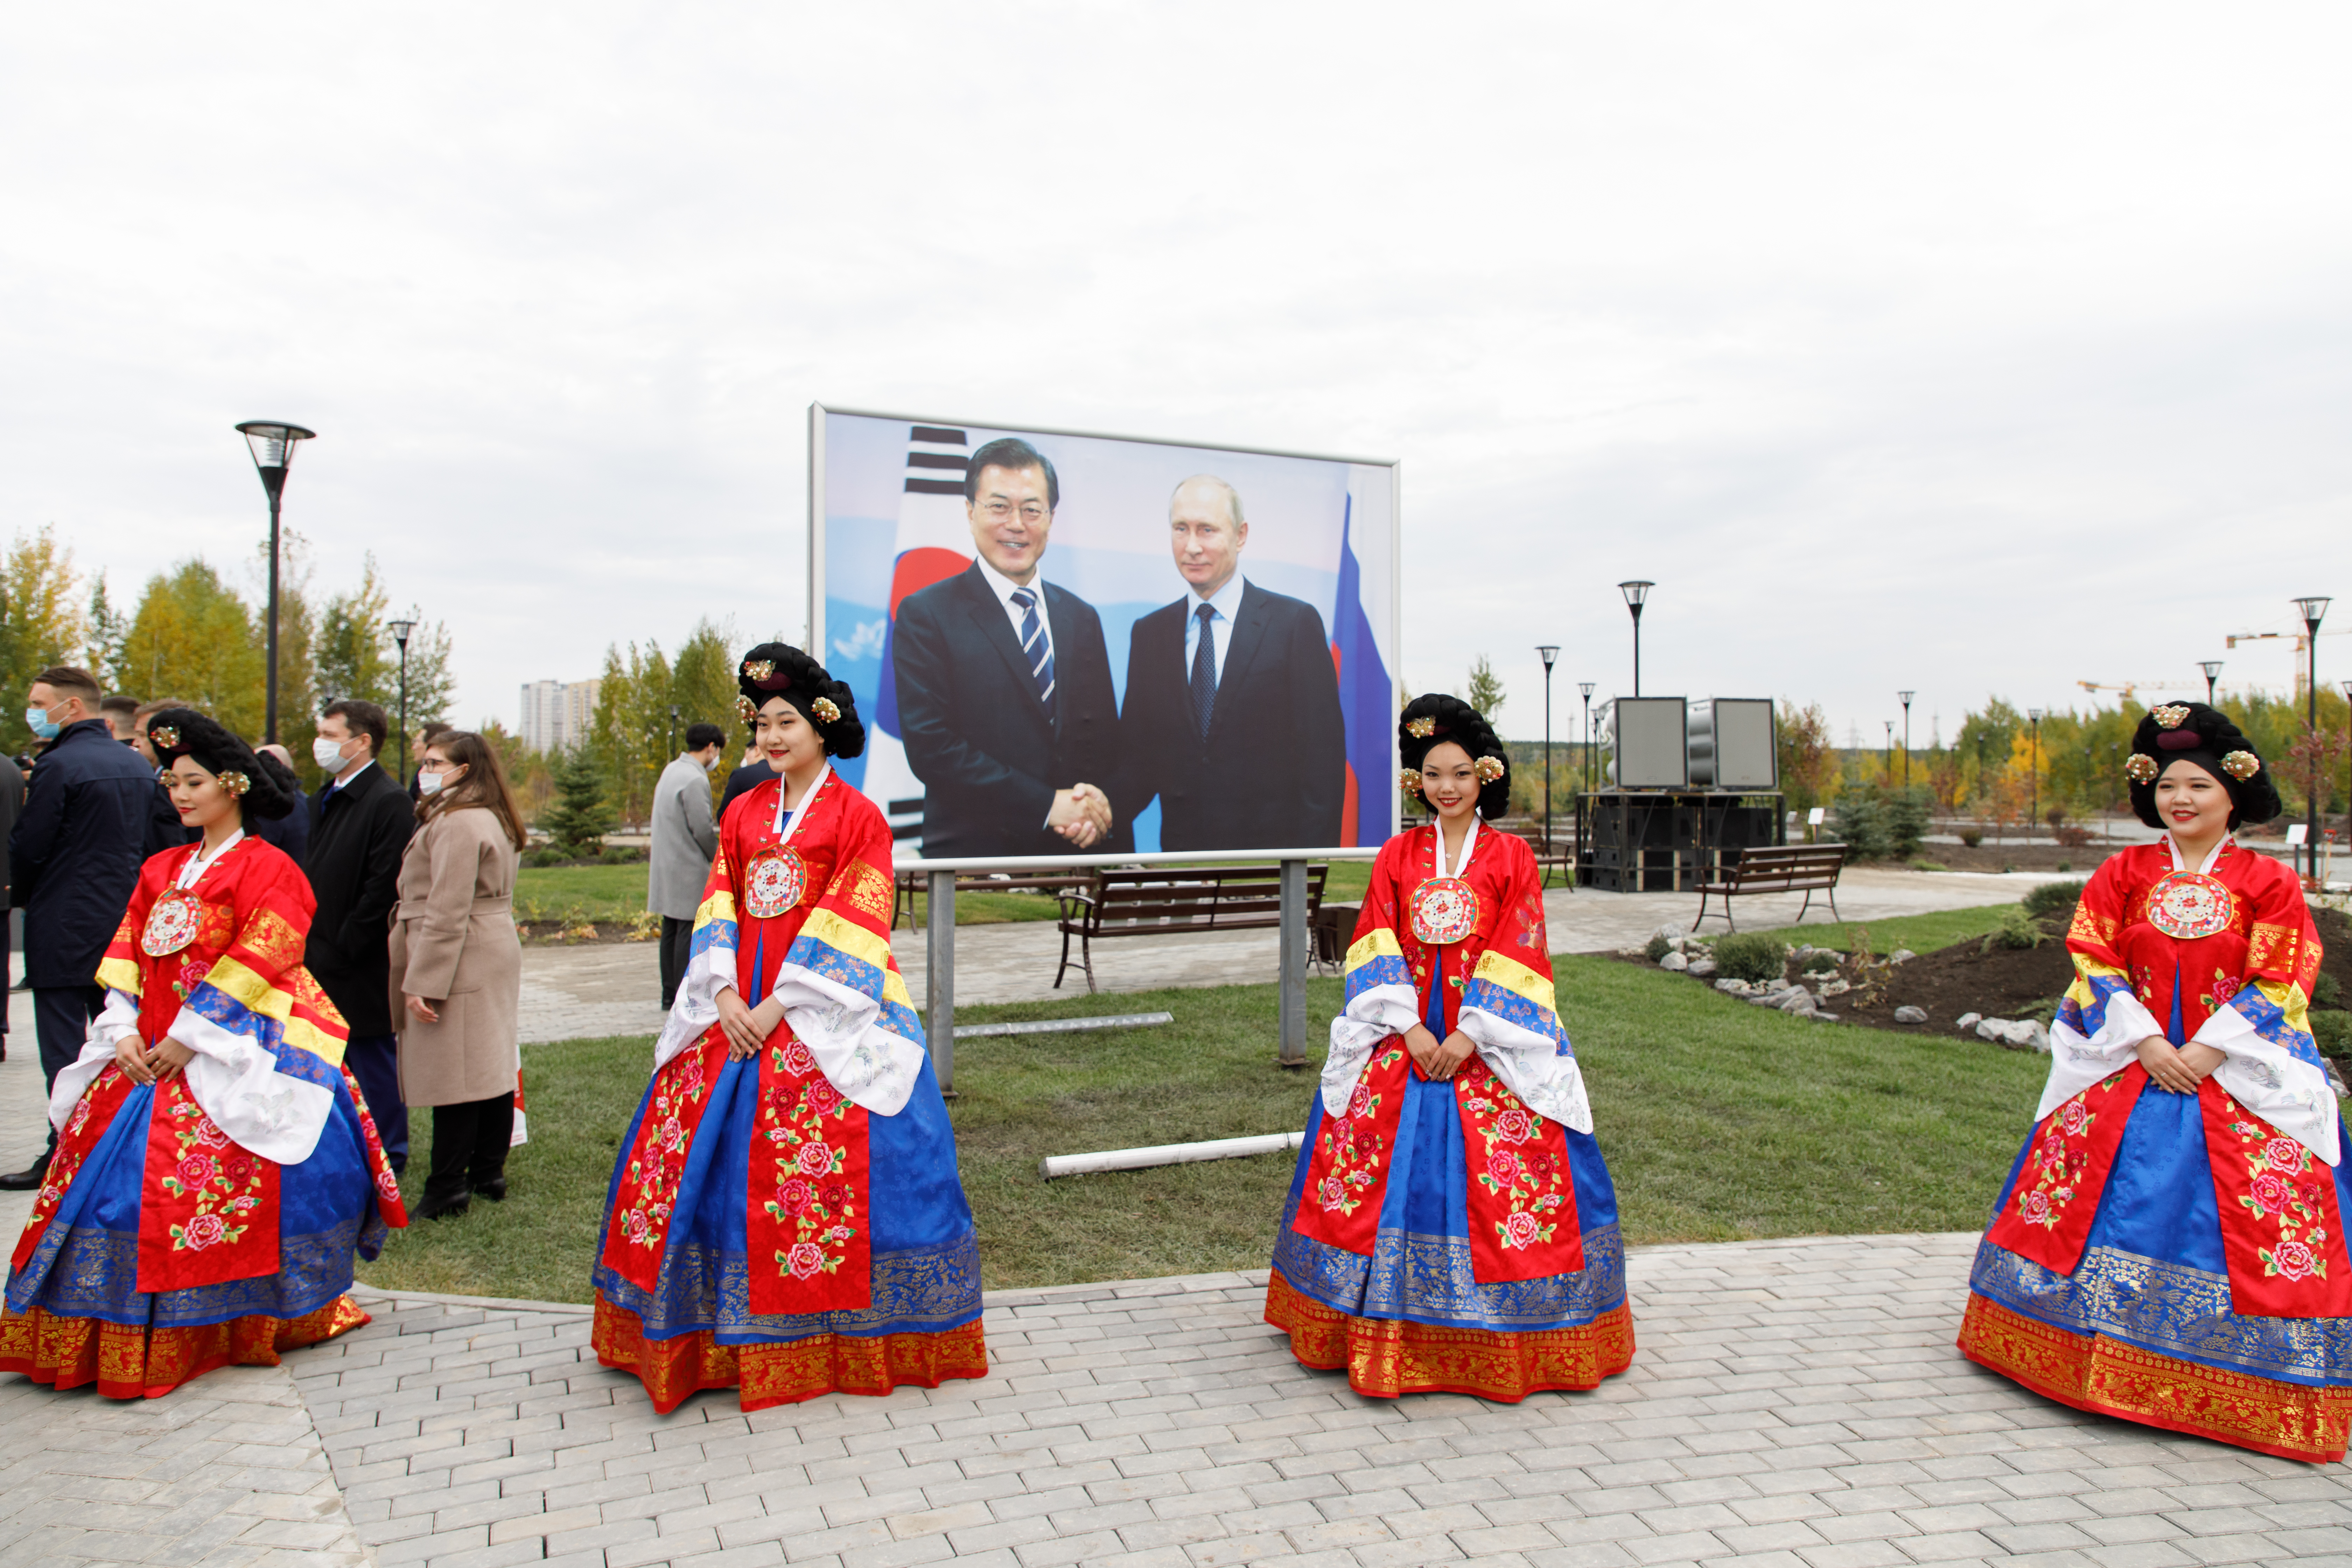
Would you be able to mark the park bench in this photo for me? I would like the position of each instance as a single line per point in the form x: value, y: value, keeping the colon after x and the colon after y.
x: 1168, y: 900
x: 910, y: 884
x: 1808, y: 869
x: 1331, y: 933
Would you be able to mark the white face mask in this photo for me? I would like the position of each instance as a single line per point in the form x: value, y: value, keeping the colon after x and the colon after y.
x: 710, y: 762
x: 428, y: 784
x: 328, y: 755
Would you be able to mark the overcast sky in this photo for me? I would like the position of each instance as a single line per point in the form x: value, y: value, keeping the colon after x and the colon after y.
x: 1979, y: 351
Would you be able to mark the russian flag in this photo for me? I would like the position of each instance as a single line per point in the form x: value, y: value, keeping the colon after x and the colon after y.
x: 1366, y: 703
x: 934, y: 542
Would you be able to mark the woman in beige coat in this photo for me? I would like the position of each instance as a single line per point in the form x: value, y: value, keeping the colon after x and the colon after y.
x: 456, y: 965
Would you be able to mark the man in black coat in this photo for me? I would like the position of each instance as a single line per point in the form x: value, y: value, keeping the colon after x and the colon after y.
x: 73, y: 859
x: 1004, y: 693
x: 747, y: 778
x: 360, y: 825
x: 1232, y: 707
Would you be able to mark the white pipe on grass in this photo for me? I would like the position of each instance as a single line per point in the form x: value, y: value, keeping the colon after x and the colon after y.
x: 1054, y: 1165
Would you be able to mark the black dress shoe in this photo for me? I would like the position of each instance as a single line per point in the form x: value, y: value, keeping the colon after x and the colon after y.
x: 444, y: 1206
x: 28, y: 1179
x: 494, y: 1189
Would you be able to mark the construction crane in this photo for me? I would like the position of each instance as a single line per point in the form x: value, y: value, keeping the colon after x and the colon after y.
x: 2130, y: 688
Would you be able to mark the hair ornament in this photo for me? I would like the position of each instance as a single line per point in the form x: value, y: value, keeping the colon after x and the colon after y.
x: 1409, y: 780
x: 2141, y: 768
x: 2241, y: 766
x: 759, y: 669
x: 744, y: 710
x: 825, y: 710
x: 236, y: 783
x: 2172, y: 715
x: 1489, y: 769
x: 164, y: 736
x: 1421, y: 729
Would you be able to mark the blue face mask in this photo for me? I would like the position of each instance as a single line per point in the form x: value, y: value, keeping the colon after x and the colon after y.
x: 36, y: 719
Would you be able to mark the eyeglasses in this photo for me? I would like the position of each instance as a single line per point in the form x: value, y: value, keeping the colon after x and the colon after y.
x: 1002, y: 512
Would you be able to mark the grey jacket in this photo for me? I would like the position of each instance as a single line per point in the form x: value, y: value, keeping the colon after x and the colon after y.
x: 685, y: 839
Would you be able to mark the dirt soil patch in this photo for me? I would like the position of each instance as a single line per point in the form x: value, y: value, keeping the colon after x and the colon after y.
x: 1991, y: 856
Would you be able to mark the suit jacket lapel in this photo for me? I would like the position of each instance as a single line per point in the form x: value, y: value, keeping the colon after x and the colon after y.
x: 1249, y: 633
x: 996, y: 629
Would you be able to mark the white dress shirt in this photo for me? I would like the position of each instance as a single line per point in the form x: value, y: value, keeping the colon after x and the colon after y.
x: 344, y: 778
x: 1224, y: 604
x: 1004, y: 587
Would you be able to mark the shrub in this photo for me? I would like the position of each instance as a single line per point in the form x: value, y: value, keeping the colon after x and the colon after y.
x: 545, y: 856
x: 1879, y: 823
x: 2333, y: 1033
x: 2074, y: 838
x: 1658, y: 948
x: 1971, y: 836
x: 2053, y: 898
x: 1752, y: 957
x: 2326, y: 992
x: 2017, y: 930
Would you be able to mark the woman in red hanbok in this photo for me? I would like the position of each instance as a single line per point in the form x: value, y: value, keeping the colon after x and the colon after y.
x: 216, y: 1168
x: 2169, y: 1246
x: 1452, y: 1225
x: 785, y: 1217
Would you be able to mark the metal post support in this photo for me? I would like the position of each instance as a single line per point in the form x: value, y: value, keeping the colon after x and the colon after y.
x: 1294, y: 964
x: 939, y: 1000
x: 269, y: 701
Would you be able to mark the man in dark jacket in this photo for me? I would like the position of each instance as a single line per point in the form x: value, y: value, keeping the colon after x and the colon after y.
x: 74, y: 859
x: 360, y: 825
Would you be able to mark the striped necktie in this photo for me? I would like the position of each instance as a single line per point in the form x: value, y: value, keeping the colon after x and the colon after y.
x: 1036, y: 645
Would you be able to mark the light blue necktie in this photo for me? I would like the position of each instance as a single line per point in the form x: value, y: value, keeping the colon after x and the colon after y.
x: 1036, y: 645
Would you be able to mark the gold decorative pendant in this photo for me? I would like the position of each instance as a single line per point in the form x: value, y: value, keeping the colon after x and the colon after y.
x: 774, y: 881
x: 171, y: 924
x: 1444, y: 911
x: 2187, y: 905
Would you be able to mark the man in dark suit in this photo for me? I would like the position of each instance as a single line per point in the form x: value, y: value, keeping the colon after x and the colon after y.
x: 73, y: 858
x: 360, y: 826
x: 1004, y: 684
x: 1232, y: 707
x: 756, y: 770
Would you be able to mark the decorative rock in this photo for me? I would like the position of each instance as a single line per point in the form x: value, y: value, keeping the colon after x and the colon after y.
x: 1901, y: 955
x: 2019, y: 1035
x: 1800, y: 1003
x: 2335, y: 1079
x: 1821, y: 1017
x: 1835, y: 988
x: 1674, y: 963
x: 1672, y: 933
x: 1910, y: 1014
x: 1701, y: 968
x: 1731, y: 987
x: 1968, y: 1020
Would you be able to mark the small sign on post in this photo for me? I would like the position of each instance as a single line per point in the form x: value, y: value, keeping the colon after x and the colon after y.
x: 2298, y: 833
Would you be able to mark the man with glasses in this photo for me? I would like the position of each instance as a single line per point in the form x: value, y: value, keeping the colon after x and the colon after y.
x: 1003, y: 683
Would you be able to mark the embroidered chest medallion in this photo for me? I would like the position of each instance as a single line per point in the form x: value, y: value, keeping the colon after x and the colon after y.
x: 2186, y: 905
x: 774, y: 881
x: 171, y: 924
x: 1444, y: 911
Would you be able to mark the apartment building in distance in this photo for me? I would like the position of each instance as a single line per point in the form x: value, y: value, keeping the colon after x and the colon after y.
x: 557, y: 714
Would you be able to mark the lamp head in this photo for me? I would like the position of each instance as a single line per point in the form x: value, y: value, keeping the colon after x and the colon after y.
x: 2211, y: 666
x: 1636, y: 592
x: 2311, y: 609
x: 272, y: 443
x: 1549, y: 651
x: 2034, y: 714
x: 1905, y: 696
x: 1586, y: 688
x: 400, y: 631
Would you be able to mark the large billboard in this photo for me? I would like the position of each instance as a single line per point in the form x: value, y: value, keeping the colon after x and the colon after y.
x: 1065, y: 643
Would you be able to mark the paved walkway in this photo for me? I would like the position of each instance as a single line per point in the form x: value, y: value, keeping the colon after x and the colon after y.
x: 569, y: 993
x: 1793, y: 1405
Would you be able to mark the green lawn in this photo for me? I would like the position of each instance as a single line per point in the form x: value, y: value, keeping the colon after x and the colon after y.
x: 1719, y: 1121
x: 1920, y: 933
x: 576, y: 893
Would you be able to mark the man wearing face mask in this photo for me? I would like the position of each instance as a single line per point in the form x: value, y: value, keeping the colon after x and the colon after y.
x: 685, y: 839
x: 360, y: 824
x: 74, y: 857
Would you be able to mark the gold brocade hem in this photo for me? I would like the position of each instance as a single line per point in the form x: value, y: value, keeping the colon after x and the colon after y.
x: 2092, y: 1372
x: 674, y: 1370
x: 1385, y: 1357
x: 127, y: 1362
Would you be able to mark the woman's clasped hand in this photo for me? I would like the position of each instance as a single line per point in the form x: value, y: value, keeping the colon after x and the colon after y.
x: 1438, y: 1062
x: 2178, y: 1069
x: 747, y: 1027
x: 143, y: 1066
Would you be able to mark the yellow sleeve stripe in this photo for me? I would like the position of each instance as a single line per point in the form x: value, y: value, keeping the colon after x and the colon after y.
x: 120, y: 975
x: 1501, y: 969
x: 235, y: 981
x: 718, y: 906
x: 1380, y: 943
x: 894, y: 989
x: 848, y: 936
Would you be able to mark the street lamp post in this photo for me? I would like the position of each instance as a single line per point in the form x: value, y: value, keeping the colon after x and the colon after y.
x: 2311, y: 609
x: 1637, y: 593
x: 1549, y: 651
x: 400, y: 633
x: 1906, y: 696
x: 673, y: 728
x: 272, y: 443
x: 1890, y: 745
x: 1585, y: 687
x: 2212, y: 669
x: 2034, y: 813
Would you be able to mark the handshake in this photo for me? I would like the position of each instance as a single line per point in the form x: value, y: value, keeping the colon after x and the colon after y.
x: 1081, y: 813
